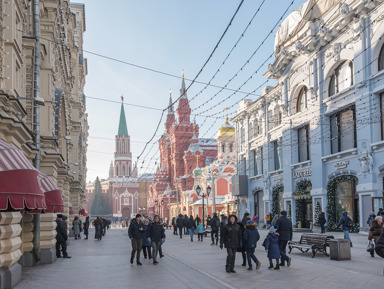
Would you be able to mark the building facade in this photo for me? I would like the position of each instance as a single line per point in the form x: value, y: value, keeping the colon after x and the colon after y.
x: 316, y: 138
x: 63, y: 119
x: 179, y: 146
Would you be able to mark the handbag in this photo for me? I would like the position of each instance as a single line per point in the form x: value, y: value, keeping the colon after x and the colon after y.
x: 371, y: 246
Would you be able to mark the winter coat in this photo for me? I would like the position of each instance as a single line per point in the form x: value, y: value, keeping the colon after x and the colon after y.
x: 197, y: 220
x: 200, y: 228
x: 342, y: 222
x: 322, y: 220
x: 375, y: 231
x: 272, y: 246
x: 76, y: 227
x: 86, y: 226
x: 180, y: 222
x: 215, y: 223
x: 223, y: 223
x: 134, y: 231
x: 98, y: 228
x: 284, y: 228
x: 61, y: 231
x: 242, y: 229
x: 191, y: 224
x: 379, y: 246
x: 251, y: 236
x: 156, y: 232
x: 244, y: 221
x: 173, y: 221
x: 231, y: 236
x: 145, y: 236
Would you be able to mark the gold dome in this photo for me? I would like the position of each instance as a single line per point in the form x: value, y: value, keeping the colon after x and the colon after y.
x: 226, y: 130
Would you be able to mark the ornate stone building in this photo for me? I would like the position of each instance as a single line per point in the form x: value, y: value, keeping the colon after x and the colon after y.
x: 179, y: 146
x: 316, y: 138
x: 62, y: 117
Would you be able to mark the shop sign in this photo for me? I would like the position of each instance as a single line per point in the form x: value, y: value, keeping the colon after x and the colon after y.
x: 301, y: 174
x: 341, y: 165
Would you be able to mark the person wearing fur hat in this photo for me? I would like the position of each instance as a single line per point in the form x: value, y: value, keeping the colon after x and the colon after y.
x: 231, y: 238
x: 284, y: 228
x: 134, y: 233
x: 375, y: 231
x: 272, y: 247
x: 251, y: 237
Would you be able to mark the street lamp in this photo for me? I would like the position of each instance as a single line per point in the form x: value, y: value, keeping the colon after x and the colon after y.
x: 162, y: 203
x: 201, y: 194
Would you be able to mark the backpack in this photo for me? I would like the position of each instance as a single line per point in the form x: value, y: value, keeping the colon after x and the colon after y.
x: 348, y: 222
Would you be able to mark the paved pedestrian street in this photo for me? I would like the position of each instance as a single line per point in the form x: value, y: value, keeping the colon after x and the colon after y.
x: 105, y: 264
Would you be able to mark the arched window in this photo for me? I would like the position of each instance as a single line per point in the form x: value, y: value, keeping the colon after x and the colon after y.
x: 341, y: 78
x: 302, y: 100
x: 381, y: 59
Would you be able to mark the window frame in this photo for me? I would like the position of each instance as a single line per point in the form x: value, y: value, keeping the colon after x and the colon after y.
x: 380, y: 64
x: 334, y: 80
x: 337, y: 115
x: 303, y: 92
x: 306, y: 127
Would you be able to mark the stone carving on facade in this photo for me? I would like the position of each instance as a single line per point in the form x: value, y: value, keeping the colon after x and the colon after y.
x: 365, y: 160
x: 299, y: 46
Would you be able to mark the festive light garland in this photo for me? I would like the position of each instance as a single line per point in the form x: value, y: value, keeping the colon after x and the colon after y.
x: 276, y: 199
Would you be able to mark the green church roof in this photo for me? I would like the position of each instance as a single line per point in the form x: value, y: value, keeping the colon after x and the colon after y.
x: 123, y: 130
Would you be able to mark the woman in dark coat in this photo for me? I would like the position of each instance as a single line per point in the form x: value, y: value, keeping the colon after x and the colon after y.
x: 98, y: 223
x: 147, y: 246
x: 242, y: 249
x: 86, y: 227
x: 375, y: 231
x: 272, y: 248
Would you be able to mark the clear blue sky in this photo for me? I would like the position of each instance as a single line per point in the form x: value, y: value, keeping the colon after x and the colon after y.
x: 167, y: 35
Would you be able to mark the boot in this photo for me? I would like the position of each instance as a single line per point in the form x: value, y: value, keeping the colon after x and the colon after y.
x: 232, y: 270
x: 277, y: 267
x: 270, y: 266
x: 227, y: 269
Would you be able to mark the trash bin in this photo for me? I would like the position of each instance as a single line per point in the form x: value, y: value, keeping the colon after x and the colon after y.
x: 340, y: 249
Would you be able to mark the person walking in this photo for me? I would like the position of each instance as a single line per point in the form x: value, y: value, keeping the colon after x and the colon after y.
x: 147, y: 245
x: 251, y: 237
x: 200, y: 232
x: 191, y: 227
x: 180, y: 224
x: 272, y: 248
x: 268, y: 220
x: 375, y: 231
x: 98, y: 223
x: 371, y: 217
x: 215, y: 226
x: 76, y: 227
x: 174, y: 226
x: 134, y: 233
x: 241, y: 249
x: 246, y: 218
x: 156, y: 234
x: 322, y: 221
x: 61, y: 237
x: 231, y: 238
x: 285, y: 231
x: 86, y: 227
x: 347, y: 225
x: 185, y: 225
x: 197, y: 220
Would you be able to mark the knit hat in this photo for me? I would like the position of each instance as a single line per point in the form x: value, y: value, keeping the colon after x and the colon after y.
x: 284, y: 213
x: 60, y: 216
x: 272, y: 229
x: 250, y: 222
x: 246, y: 214
x: 138, y: 215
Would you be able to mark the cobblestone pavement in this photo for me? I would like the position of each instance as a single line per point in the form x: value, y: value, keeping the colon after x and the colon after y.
x: 105, y: 264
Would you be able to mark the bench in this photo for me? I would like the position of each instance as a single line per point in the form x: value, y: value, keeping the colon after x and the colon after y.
x: 314, y: 242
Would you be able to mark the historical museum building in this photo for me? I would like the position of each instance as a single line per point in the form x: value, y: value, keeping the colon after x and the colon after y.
x: 316, y: 138
x: 179, y: 146
x: 125, y: 192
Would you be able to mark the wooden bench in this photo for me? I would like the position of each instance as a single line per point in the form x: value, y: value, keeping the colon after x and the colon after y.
x: 314, y: 242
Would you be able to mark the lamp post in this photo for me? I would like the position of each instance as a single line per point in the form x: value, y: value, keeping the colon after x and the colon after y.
x: 156, y: 202
x: 201, y: 194
x: 162, y: 203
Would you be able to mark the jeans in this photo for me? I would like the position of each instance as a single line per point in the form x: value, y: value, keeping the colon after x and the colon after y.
x: 136, y: 248
x: 251, y: 256
x: 231, y: 256
x: 200, y: 236
x: 346, y: 236
x: 181, y: 232
x: 283, y: 251
x: 215, y: 234
x: 190, y: 233
x: 155, y: 250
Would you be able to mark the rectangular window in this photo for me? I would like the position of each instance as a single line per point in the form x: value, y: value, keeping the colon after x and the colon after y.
x: 261, y: 160
x: 343, y: 130
x: 271, y: 121
x: 276, y: 156
x: 382, y: 114
x: 254, y: 160
x: 244, y: 161
x: 303, y: 143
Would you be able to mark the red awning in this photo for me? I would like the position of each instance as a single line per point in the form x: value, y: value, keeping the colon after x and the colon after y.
x: 52, y: 194
x: 71, y: 211
x: 81, y: 211
x: 19, y: 181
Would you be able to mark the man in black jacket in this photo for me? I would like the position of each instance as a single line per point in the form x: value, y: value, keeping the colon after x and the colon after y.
x: 284, y: 228
x: 215, y: 226
x: 61, y: 237
x: 246, y: 218
x: 231, y: 238
x: 134, y: 233
x: 180, y: 224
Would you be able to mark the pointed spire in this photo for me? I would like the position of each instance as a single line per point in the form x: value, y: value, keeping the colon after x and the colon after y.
x: 170, y: 106
x: 183, y: 90
x: 123, y: 130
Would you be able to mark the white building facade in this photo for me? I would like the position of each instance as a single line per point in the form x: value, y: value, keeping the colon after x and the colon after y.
x: 316, y: 139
